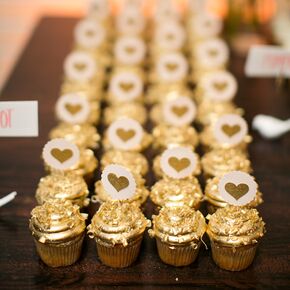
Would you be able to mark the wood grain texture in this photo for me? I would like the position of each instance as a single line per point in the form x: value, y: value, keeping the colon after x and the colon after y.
x: 38, y: 76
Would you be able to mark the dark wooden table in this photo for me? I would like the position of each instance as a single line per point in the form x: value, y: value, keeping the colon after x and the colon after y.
x: 37, y: 76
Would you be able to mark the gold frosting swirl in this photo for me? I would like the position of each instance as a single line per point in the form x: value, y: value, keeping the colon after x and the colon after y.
x: 132, y: 110
x: 212, y: 194
x: 63, y: 186
x: 177, y: 192
x: 235, y: 226
x: 56, y: 221
x: 180, y: 224
x: 218, y: 162
x: 134, y: 161
x: 83, y: 135
x: 117, y: 222
x: 165, y: 136
x: 209, y: 111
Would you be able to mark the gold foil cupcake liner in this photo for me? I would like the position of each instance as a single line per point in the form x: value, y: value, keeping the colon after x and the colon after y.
x: 233, y: 258
x: 177, y: 255
x: 119, y: 256
x: 63, y: 254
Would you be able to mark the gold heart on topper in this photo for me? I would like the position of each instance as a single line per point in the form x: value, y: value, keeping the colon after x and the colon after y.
x: 169, y: 36
x: 171, y: 66
x: 237, y: 191
x: 231, y: 130
x: 90, y: 33
x: 179, y: 164
x: 118, y: 183
x: 80, y: 66
x: 126, y: 86
x: 220, y: 86
x: 61, y: 155
x: 212, y: 52
x: 125, y: 135
x: 179, y: 110
x: 73, y: 109
x: 130, y: 49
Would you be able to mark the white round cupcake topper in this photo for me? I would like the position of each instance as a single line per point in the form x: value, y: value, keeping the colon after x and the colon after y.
x: 237, y: 188
x: 179, y: 112
x: 219, y: 86
x: 170, y: 35
x: 172, y: 67
x: 79, y: 66
x: 61, y: 154
x: 118, y: 182
x: 125, y: 134
x: 230, y: 129
x: 73, y: 108
x: 130, y: 21
x: 129, y: 50
x: 89, y: 33
x: 98, y: 9
x: 206, y: 25
x: 212, y: 53
x: 165, y: 10
x: 178, y: 162
x: 126, y: 86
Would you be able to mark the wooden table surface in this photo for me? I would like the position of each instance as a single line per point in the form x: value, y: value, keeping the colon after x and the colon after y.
x: 37, y: 76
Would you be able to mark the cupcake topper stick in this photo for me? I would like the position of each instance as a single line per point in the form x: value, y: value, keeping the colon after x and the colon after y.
x: 61, y: 154
x: 237, y: 188
x: 118, y: 182
x: 179, y: 162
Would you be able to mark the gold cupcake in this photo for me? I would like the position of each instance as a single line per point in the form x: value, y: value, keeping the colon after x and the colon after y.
x: 218, y: 162
x: 178, y: 232
x: 210, y: 111
x: 215, y: 201
x: 139, y: 198
x: 82, y: 135
x: 144, y: 144
x: 134, y: 161
x: 166, y: 136
x: 58, y: 229
x: 132, y: 110
x: 177, y: 192
x: 85, y: 167
x: 209, y: 141
x: 63, y: 186
x: 234, y: 233
x: 158, y: 172
x: 118, y: 229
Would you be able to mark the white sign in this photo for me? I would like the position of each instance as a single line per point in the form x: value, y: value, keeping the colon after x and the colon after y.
x: 268, y: 61
x: 118, y: 182
x: 19, y: 119
x: 237, y: 188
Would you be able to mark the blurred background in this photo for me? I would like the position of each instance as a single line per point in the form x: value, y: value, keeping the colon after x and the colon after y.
x: 246, y: 22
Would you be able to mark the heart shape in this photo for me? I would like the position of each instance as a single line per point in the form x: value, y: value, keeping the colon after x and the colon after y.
x: 212, y: 52
x: 61, y: 155
x: 179, y: 110
x: 220, y: 86
x: 131, y: 21
x: 73, y: 109
x: 80, y: 66
x: 126, y: 86
x: 179, y: 164
x: 125, y: 135
x: 171, y: 66
x: 237, y: 191
x: 169, y: 36
x: 130, y: 49
x: 118, y: 183
x: 90, y: 33
x: 231, y: 130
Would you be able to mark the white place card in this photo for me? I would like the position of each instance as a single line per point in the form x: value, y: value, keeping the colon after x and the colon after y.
x: 268, y: 61
x: 19, y: 119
